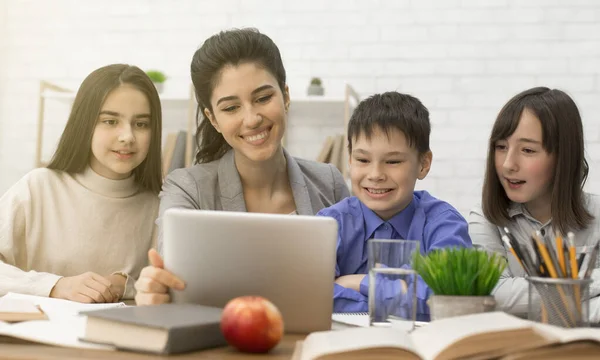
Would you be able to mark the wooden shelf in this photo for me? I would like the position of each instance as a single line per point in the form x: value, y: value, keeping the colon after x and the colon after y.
x: 70, y: 96
x: 303, y: 104
x: 317, y: 98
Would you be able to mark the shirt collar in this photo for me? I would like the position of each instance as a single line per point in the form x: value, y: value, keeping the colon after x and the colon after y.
x: 400, y: 222
x: 516, y: 209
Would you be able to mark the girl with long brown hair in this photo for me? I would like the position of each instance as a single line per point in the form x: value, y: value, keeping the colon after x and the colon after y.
x: 536, y: 170
x: 79, y: 229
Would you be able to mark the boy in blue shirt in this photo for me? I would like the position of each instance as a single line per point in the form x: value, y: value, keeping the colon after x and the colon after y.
x: 388, y: 141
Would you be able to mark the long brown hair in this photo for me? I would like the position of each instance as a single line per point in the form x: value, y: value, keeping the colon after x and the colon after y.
x: 231, y: 47
x: 562, y: 135
x: 74, y: 147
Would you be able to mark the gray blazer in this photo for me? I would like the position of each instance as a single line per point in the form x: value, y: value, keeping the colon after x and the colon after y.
x: 217, y: 186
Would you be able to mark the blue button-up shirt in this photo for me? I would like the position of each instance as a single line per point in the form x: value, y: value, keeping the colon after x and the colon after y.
x: 435, y: 223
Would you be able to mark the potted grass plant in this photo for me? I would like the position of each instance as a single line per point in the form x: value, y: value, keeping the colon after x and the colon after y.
x: 462, y: 280
x: 158, y: 78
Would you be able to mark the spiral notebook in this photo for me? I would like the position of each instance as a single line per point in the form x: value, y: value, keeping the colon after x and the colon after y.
x: 359, y: 319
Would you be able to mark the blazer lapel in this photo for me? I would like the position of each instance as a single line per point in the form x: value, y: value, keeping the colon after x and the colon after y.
x: 299, y: 190
x: 230, y: 185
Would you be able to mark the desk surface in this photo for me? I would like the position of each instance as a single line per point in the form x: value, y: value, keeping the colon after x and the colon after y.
x: 284, y: 350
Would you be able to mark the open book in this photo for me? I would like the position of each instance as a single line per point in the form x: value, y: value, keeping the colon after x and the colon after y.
x: 487, y: 335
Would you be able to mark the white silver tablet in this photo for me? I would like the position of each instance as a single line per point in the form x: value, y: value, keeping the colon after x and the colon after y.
x: 288, y: 259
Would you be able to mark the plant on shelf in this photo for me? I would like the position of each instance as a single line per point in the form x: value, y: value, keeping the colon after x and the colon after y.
x: 158, y: 78
x: 315, y: 87
x: 462, y: 280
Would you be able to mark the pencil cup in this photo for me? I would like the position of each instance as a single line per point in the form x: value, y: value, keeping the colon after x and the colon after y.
x: 559, y: 301
x: 392, y: 283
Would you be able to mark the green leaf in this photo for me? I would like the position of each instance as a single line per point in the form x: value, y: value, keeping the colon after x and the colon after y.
x: 156, y: 76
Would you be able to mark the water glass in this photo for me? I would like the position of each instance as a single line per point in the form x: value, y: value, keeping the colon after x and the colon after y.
x: 392, y: 283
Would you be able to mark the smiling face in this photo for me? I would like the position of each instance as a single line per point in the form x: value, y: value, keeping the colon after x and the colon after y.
x: 122, y: 134
x: 384, y: 170
x: 525, y: 169
x: 249, y: 110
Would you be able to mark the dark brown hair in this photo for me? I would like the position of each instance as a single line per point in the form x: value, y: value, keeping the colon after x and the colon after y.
x: 232, y: 47
x: 388, y: 111
x: 562, y: 135
x: 74, y: 147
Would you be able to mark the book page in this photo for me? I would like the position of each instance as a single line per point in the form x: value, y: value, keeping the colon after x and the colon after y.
x: 59, y: 308
x: 61, y: 333
x: 564, y: 336
x: 447, y: 332
x: 18, y: 306
x: 15, y: 310
x: 331, y: 342
x: 576, y: 350
x: 64, y: 325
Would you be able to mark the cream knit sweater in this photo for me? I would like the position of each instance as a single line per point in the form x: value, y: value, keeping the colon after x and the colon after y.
x: 55, y: 224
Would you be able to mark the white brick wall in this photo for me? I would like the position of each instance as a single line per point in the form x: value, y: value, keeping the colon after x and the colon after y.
x: 463, y: 58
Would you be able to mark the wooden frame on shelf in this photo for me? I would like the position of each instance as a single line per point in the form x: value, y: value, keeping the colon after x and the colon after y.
x: 45, y: 87
x: 191, y: 131
x: 350, y: 97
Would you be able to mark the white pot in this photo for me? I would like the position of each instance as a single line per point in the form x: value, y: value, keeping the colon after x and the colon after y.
x: 315, y: 90
x: 441, y: 306
x: 159, y: 86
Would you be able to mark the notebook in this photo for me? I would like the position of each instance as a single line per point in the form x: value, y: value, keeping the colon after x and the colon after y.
x: 360, y: 319
x: 59, y: 308
x: 64, y: 324
x: 15, y: 310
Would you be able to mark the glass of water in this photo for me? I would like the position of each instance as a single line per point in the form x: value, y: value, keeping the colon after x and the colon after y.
x: 392, y: 283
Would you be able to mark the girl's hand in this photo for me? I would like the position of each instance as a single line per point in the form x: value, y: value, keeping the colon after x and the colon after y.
x: 88, y: 287
x: 117, y: 285
x: 154, y: 282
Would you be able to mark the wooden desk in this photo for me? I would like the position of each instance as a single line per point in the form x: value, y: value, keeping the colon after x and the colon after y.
x: 29, y: 351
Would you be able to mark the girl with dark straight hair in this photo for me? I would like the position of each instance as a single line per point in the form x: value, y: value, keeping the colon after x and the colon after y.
x: 534, y: 178
x: 80, y: 228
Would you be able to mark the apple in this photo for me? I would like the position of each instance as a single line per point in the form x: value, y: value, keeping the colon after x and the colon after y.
x: 251, y: 324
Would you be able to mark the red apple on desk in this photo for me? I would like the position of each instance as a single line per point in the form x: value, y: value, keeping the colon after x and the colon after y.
x: 251, y: 324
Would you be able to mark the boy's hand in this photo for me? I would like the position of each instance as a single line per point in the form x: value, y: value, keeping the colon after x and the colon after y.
x: 351, y: 281
x: 404, y: 286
